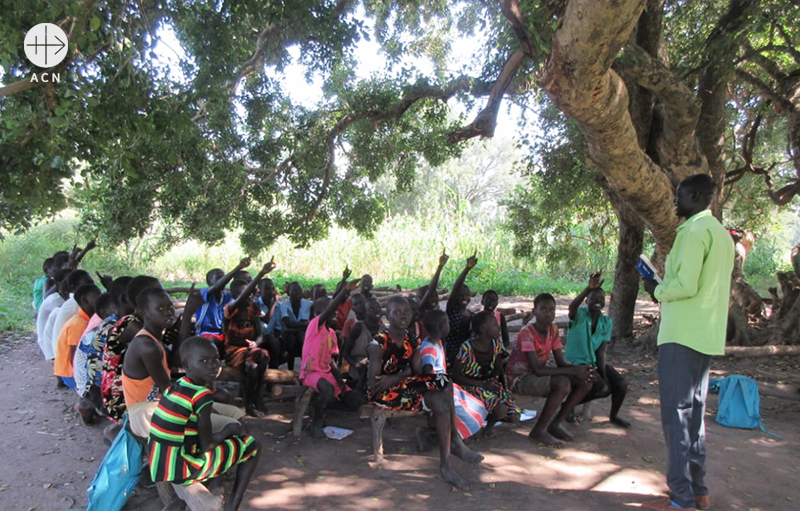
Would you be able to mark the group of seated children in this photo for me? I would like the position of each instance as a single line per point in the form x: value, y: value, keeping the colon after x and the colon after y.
x: 119, y: 349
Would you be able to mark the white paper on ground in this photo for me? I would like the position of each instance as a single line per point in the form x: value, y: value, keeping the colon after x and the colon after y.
x: 335, y: 433
x: 526, y: 415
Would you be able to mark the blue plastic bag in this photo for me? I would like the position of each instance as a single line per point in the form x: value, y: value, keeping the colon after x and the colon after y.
x: 739, y: 404
x: 118, y: 474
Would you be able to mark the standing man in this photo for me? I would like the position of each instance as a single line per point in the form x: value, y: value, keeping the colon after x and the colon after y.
x: 694, y: 314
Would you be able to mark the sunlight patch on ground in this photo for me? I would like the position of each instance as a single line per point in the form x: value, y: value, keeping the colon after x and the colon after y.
x: 566, y: 469
x: 291, y: 494
x: 632, y: 481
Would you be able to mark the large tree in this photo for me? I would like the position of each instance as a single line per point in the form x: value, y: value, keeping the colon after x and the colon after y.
x: 657, y: 90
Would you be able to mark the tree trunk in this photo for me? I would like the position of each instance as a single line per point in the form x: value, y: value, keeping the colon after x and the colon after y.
x: 626, y: 277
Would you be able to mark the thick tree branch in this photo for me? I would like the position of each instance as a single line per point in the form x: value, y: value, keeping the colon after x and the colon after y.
x: 510, y: 9
x: 581, y: 84
x: 678, y: 100
x: 486, y: 121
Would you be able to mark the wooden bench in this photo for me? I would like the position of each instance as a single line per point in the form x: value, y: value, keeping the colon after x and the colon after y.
x: 378, y: 417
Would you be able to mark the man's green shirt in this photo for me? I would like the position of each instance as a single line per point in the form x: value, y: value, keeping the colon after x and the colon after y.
x: 697, y: 282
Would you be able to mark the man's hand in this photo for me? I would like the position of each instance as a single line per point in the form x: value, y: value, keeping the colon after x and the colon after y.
x: 472, y: 260
x: 594, y: 280
x: 650, y: 286
x: 352, y: 285
x: 346, y: 273
x: 244, y: 263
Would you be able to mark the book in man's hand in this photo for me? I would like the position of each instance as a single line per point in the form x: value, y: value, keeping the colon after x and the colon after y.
x: 646, y: 269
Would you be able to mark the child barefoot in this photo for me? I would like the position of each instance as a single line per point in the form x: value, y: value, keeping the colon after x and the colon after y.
x: 243, y: 340
x: 529, y: 374
x: 587, y: 338
x: 183, y: 449
x: 469, y: 413
x: 396, y: 382
x: 319, y: 369
x: 480, y: 370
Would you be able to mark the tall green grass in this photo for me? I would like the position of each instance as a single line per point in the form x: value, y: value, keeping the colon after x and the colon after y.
x: 402, y: 252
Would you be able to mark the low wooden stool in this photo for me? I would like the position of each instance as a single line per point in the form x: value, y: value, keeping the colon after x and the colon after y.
x: 378, y: 416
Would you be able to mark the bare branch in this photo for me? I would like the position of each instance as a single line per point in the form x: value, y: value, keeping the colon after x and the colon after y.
x: 764, y: 89
x: 766, y: 64
x: 486, y: 121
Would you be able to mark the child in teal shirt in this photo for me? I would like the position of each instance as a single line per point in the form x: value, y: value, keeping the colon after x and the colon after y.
x: 587, y: 338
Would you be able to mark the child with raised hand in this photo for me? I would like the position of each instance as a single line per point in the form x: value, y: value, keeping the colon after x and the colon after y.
x: 489, y: 300
x: 480, y: 370
x: 183, y: 449
x: 587, y: 339
x: 243, y: 340
x: 469, y: 412
x: 396, y: 382
x: 295, y: 315
x: 429, y: 298
x: 354, y: 350
x: 70, y: 335
x: 210, y: 317
x: 457, y: 312
x: 529, y: 374
x: 319, y: 369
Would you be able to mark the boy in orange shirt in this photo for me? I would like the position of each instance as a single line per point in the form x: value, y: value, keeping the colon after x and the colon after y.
x: 70, y: 335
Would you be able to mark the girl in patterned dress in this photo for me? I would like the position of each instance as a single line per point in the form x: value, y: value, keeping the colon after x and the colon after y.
x: 480, y: 370
x: 395, y: 382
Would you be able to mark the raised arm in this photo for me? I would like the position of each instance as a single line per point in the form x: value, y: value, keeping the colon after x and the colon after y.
x: 221, y: 283
x: 77, y: 255
x: 594, y: 283
x: 455, y: 293
x: 432, y: 287
x: 338, y: 298
x: 252, y: 285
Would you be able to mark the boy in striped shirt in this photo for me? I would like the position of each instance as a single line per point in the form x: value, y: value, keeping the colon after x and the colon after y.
x: 183, y: 449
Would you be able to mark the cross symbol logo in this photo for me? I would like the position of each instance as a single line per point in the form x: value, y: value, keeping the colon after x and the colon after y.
x: 46, y: 45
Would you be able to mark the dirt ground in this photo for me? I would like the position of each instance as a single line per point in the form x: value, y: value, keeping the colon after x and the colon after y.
x: 49, y: 458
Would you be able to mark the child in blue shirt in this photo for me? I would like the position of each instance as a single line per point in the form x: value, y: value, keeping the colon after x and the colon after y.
x: 210, y: 317
x: 587, y: 338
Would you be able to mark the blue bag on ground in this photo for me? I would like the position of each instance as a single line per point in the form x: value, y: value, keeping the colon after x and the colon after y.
x: 739, y: 405
x: 118, y: 473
